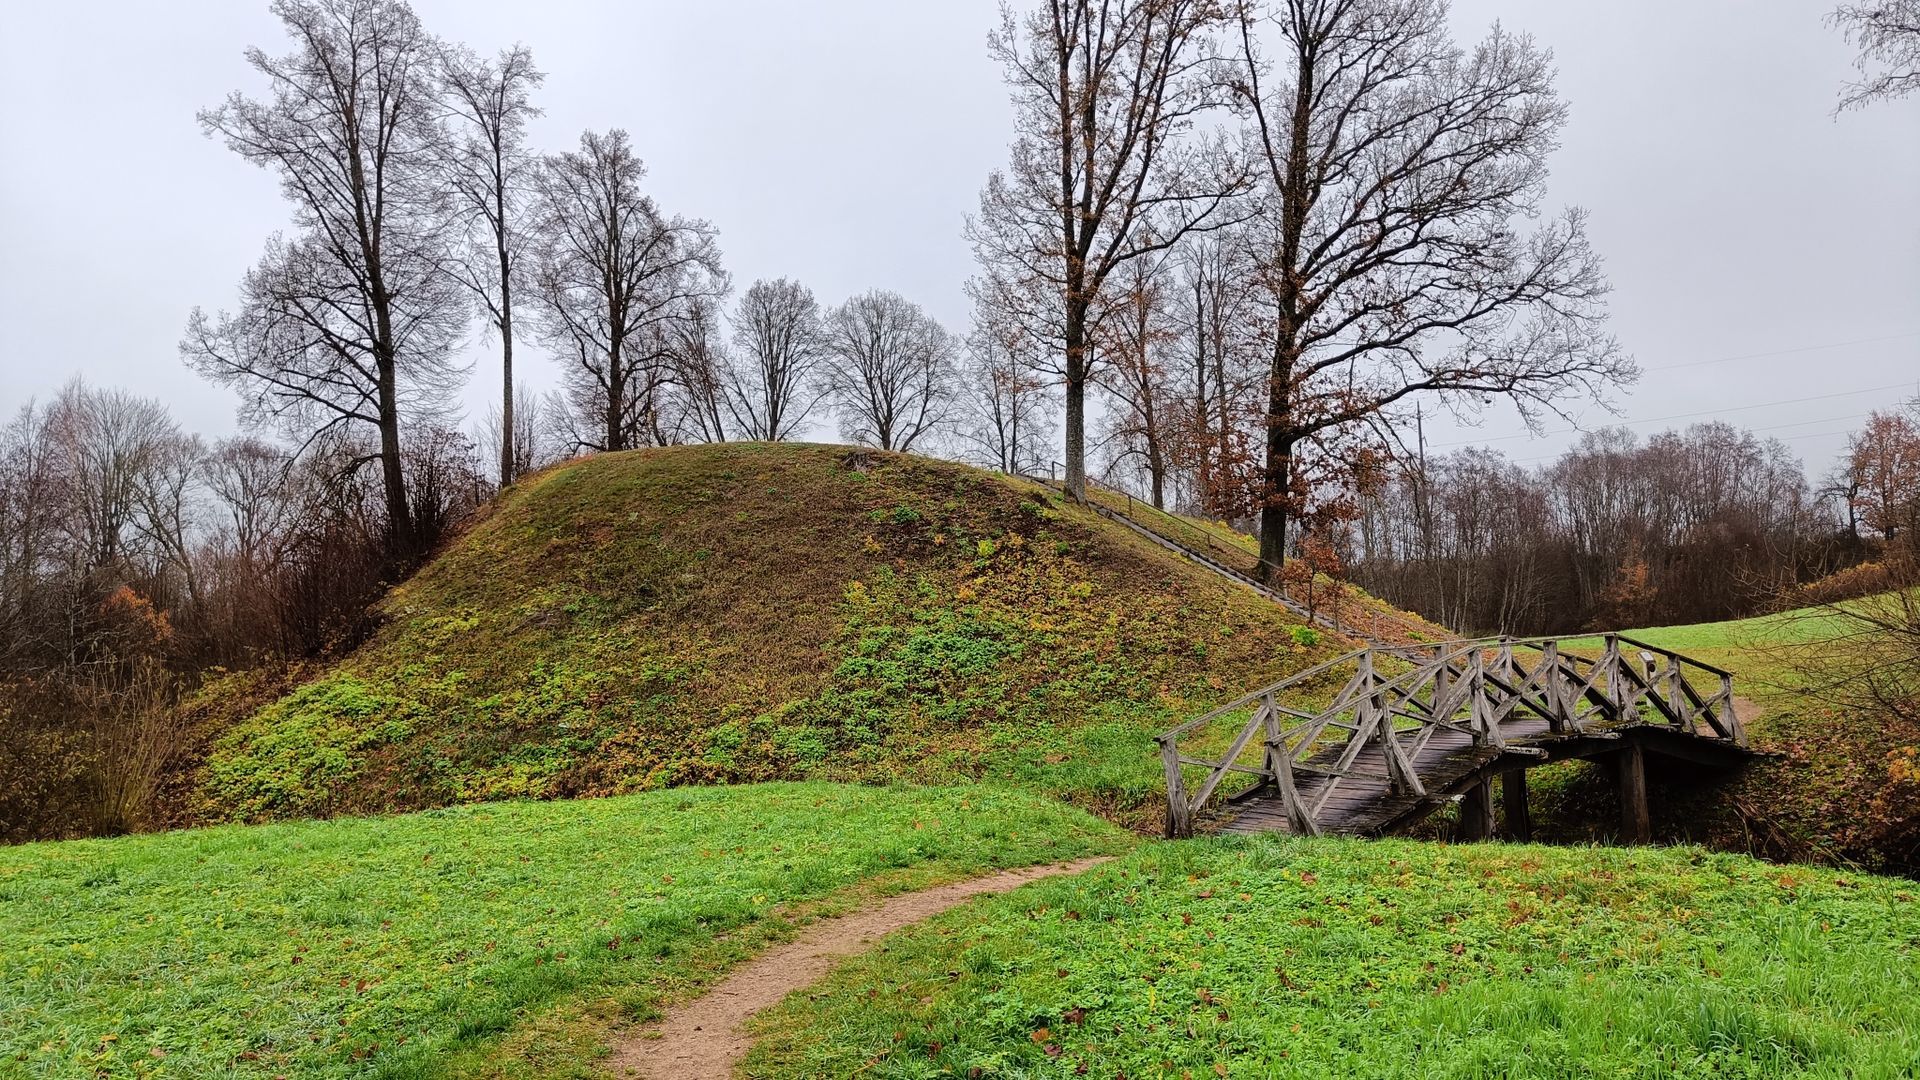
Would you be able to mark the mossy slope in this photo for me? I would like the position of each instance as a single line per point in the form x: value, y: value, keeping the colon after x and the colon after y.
x: 751, y: 612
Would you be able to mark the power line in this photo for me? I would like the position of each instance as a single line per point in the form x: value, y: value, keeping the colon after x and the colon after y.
x: 1781, y: 438
x: 1786, y: 352
x: 1683, y: 416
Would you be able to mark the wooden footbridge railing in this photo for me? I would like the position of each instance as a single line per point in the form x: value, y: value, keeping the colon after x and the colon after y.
x: 1407, y: 728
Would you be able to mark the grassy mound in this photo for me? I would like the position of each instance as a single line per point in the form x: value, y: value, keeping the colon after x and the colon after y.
x: 377, y: 947
x: 750, y: 612
x: 1272, y: 957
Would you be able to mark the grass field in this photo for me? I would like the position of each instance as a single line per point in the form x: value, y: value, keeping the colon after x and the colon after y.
x: 404, y: 947
x: 1750, y: 648
x: 1271, y: 957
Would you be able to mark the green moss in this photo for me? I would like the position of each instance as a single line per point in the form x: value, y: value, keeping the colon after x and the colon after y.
x: 295, y: 756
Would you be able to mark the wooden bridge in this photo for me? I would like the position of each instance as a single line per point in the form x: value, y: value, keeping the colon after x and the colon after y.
x: 1375, y: 740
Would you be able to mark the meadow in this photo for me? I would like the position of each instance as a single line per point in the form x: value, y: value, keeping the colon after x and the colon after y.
x: 1275, y: 957
x: 403, y: 946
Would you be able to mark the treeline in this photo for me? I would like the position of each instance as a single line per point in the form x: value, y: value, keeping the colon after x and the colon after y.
x: 1688, y: 526
x: 135, y: 557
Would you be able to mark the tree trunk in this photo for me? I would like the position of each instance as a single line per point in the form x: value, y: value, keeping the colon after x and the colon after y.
x: 1276, y: 487
x: 1202, y: 419
x: 1156, y: 468
x: 616, y: 392
x: 1075, y: 453
x: 506, y: 370
x: 392, y: 473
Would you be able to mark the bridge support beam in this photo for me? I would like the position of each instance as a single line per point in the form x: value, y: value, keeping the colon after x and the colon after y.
x: 1513, y: 800
x: 1630, y: 765
x: 1476, y: 812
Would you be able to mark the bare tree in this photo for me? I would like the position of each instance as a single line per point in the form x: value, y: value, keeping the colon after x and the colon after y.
x: 612, y: 275
x: 248, y: 479
x: 489, y: 169
x: 888, y: 368
x: 700, y: 363
x: 1105, y: 94
x: 1006, y: 419
x: 1396, y: 169
x: 771, y: 383
x: 1217, y: 357
x: 1133, y: 333
x: 534, y: 446
x: 350, y: 321
x: 1887, y: 33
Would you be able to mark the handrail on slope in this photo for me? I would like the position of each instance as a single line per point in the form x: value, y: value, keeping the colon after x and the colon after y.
x: 1133, y: 518
x: 1468, y: 685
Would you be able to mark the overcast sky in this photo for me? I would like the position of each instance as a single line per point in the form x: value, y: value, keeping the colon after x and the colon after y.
x: 841, y: 142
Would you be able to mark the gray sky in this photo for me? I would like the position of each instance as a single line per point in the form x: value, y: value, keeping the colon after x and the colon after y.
x: 842, y: 142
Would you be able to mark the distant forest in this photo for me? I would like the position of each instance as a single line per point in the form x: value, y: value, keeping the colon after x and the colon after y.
x: 1688, y: 526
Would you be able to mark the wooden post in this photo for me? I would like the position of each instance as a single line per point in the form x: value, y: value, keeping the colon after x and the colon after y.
x: 1513, y: 799
x: 1179, y: 821
x: 1476, y: 812
x: 1730, y: 719
x: 1636, y: 826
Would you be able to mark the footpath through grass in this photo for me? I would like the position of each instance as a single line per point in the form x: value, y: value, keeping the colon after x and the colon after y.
x: 377, y: 947
x: 1274, y: 957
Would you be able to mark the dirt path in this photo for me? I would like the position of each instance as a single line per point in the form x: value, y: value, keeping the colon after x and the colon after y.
x: 704, y: 1038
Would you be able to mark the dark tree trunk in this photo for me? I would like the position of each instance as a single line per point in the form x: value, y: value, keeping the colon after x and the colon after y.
x: 1076, y: 463
x: 616, y: 393
x: 392, y: 473
x: 507, y: 463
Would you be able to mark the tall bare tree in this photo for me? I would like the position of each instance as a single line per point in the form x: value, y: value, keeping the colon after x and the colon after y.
x: 771, y: 376
x: 1102, y: 172
x: 1006, y: 418
x: 351, y: 320
x: 888, y: 368
x: 1212, y: 311
x: 612, y: 275
x: 1133, y: 332
x: 1887, y: 32
x: 699, y: 359
x: 489, y: 170
x: 1398, y: 170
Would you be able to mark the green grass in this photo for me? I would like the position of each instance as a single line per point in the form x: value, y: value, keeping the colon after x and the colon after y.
x: 752, y: 612
x: 1272, y: 957
x: 1749, y: 647
x: 377, y: 947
